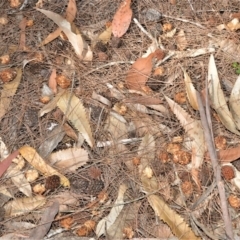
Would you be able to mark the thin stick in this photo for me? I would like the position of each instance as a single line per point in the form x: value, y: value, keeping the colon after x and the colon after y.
x: 184, y: 20
x: 216, y: 169
x: 143, y: 30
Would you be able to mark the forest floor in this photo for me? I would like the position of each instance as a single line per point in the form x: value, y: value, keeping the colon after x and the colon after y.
x: 99, y: 156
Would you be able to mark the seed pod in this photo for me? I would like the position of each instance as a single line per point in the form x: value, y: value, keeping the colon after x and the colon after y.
x: 8, y: 75
x: 63, y: 81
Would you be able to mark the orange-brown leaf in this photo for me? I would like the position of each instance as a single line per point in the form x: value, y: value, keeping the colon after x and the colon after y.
x: 122, y: 19
x: 52, y: 83
x: 229, y: 155
x: 139, y: 73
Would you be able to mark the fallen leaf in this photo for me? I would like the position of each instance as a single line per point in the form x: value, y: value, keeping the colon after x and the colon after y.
x: 69, y: 159
x: 105, y: 223
x: 51, y: 105
x: 194, y: 130
x: 146, y: 150
x: 8, y: 91
x: 177, y: 224
x: 71, y: 12
x: 52, y: 83
x: 39, y: 164
x: 122, y: 19
x: 23, y: 205
x: 228, y: 155
x: 46, y: 221
x: 234, y: 102
x: 52, y: 139
x: 181, y: 40
x: 140, y: 71
x: 191, y: 91
x: 18, y: 178
x: 22, y: 40
x: 5, y: 163
x: 105, y: 36
x: 233, y: 25
x: 125, y: 219
x: 81, y: 48
x: 217, y: 98
x: 74, y: 110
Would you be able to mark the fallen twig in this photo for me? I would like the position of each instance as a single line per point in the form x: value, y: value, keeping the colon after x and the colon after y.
x: 184, y: 20
x: 216, y: 168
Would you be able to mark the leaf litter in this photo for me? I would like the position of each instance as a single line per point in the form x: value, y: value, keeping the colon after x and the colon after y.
x: 92, y: 144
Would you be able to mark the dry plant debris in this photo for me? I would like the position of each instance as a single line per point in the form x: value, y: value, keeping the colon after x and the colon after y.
x: 103, y: 132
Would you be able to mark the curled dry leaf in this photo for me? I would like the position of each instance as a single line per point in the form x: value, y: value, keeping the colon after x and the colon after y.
x: 177, y: 224
x: 24, y: 205
x: 81, y: 48
x: 39, y: 164
x: 74, y: 110
x: 234, y: 102
x: 140, y: 71
x: 122, y: 19
x: 217, y: 97
x: 69, y: 159
x: 191, y: 91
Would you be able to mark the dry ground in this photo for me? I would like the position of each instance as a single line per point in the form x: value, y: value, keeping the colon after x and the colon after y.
x: 21, y: 124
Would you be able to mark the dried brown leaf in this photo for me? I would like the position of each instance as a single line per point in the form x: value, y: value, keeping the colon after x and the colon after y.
x: 146, y: 150
x: 74, y: 110
x: 139, y: 73
x: 191, y: 91
x: 82, y: 50
x: 177, y: 224
x: 39, y: 164
x: 181, y: 40
x: 217, y: 97
x: 109, y: 220
x: 122, y: 19
x: 234, y: 102
x: 69, y: 159
x: 229, y: 155
x: 5, y: 163
x: 194, y: 130
x: 18, y: 178
x: 24, y: 205
x: 70, y: 16
x: 105, y: 36
x: 46, y: 221
x: 8, y: 91
x: 52, y: 139
x: 52, y: 83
